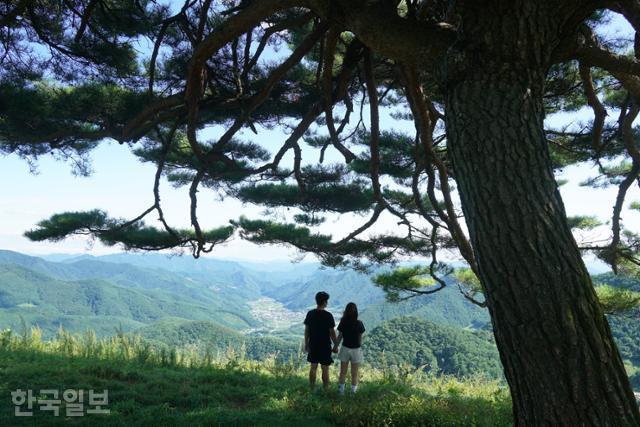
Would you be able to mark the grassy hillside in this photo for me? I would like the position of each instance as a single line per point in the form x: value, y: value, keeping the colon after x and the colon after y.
x: 178, y: 388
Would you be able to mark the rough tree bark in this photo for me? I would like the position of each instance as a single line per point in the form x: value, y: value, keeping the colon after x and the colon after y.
x: 557, y: 350
x: 559, y: 356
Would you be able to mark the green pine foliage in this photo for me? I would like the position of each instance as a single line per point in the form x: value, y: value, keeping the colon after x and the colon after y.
x: 111, y: 231
x: 401, y: 279
x: 397, y: 154
x: 324, y: 197
x: 616, y: 300
x: 583, y: 222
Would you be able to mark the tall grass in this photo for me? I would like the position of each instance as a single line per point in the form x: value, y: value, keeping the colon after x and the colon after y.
x: 224, y: 387
x: 132, y: 348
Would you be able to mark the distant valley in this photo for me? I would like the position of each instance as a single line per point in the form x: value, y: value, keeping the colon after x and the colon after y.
x: 219, y: 306
x: 132, y: 290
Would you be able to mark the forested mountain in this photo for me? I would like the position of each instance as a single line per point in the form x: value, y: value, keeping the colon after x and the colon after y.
x: 446, y: 307
x: 77, y: 294
x: 51, y: 302
x: 626, y: 327
x: 433, y: 347
x: 207, y: 336
x: 224, y: 276
x: 210, y: 305
x: 343, y: 286
x: 225, y: 287
x: 176, y: 274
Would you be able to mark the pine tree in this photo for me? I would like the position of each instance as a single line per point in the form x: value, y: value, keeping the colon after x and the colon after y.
x: 476, y: 77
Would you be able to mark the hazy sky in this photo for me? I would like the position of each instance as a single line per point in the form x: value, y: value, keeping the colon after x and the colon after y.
x: 122, y: 186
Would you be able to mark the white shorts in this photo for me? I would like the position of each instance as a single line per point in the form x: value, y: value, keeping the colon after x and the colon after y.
x: 347, y: 354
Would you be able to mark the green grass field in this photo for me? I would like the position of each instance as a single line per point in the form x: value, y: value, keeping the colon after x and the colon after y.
x: 180, y: 387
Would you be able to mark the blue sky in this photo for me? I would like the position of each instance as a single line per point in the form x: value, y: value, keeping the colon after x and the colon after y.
x: 122, y: 186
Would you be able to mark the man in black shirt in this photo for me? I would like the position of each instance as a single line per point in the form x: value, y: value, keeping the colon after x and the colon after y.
x: 319, y: 333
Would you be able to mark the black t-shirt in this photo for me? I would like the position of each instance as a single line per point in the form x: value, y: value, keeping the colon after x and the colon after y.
x: 351, y: 333
x: 320, y: 323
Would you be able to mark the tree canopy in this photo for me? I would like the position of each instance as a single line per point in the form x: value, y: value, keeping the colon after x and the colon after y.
x: 74, y: 73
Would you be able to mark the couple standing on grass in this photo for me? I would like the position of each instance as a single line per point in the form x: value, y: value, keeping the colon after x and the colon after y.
x: 319, y: 334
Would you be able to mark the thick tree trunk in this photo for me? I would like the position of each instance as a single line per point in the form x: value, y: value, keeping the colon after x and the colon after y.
x: 557, y: 350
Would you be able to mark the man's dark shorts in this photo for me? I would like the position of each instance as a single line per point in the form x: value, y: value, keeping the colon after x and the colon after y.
x: 321, y: 356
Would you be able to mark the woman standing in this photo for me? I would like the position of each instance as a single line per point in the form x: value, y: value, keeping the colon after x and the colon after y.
x: 350, y: 334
